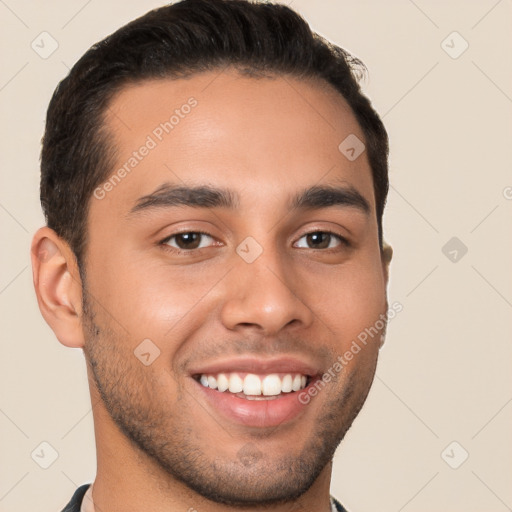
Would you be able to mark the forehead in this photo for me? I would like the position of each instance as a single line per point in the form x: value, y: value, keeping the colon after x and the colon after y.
x: 259, y: 135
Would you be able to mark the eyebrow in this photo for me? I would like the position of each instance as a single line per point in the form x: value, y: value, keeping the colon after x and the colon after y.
x: 206, y: 196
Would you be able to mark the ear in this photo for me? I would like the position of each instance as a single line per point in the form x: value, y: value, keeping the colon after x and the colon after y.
x: 386, y: 256
x: 58, y: 286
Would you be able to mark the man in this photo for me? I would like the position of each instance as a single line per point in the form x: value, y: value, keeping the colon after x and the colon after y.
x: 213, y: 182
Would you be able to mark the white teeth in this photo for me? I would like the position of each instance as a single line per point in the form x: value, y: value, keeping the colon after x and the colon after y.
x: 212, y: 382
x: 236, y: 384
x: 222, y: 382
x: 271, y: 385
x: 286, y: 385
x: 254, y: 385
x: 256, y: 397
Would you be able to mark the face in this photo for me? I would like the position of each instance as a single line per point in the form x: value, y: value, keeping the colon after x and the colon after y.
x: 229, y: 266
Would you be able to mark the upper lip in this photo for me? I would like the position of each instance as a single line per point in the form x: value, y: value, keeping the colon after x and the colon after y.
x: 283, y: 364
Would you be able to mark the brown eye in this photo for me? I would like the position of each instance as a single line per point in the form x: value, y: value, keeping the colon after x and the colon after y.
x: 320, y: 240
x: 189, y: 240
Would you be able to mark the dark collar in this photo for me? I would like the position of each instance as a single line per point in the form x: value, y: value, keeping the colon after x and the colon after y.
x: 78, y: 496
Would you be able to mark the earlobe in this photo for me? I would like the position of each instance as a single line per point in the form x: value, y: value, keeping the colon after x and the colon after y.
x: 58, y: 286
x: 387, y: 255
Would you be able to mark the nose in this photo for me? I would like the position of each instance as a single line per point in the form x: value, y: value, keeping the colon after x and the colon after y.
x: 264, y: 295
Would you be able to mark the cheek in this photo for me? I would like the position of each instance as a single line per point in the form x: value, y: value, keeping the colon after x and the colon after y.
x: 158, y: 301
x: 137, y: 286
x: 349, y: 298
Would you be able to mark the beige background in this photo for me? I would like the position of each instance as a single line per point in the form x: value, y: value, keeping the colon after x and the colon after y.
x: 444, y: 373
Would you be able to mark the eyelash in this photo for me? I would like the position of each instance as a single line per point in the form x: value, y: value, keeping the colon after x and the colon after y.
x: 175, y: 250
x: 164, y: 243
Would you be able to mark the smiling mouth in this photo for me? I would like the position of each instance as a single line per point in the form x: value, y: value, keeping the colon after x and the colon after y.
x: 253, y: 386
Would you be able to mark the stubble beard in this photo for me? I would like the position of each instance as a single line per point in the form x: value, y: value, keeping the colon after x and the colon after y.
x: 167, y: 436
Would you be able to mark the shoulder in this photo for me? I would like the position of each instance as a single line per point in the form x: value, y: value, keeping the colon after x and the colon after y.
x: 76, y: 500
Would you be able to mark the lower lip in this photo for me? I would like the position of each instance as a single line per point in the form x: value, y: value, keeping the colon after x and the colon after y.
x: 256, y: 413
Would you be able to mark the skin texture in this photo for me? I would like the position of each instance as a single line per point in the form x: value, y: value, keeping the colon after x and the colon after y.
x: 160, y: 445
